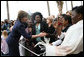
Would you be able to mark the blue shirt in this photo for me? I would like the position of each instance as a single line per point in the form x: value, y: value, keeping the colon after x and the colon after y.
x: 37, y: 32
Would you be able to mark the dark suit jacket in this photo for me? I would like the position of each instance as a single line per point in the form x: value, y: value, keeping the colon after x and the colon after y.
x: 17, y: 31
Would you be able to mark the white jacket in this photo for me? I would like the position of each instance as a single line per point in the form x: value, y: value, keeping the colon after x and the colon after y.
x: 72, y: 44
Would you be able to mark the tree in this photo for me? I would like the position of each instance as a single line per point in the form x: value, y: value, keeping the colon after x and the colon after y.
x: 60, y: 6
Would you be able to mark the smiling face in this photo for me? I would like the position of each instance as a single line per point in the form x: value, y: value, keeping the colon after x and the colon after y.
x: 37, y: 18
x: 75, y: 17
x: 65, y: 22
x: 49, y: 20
x: 60, y: 19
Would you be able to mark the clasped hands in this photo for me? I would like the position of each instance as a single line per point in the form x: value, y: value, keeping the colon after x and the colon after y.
x: 42, y: 34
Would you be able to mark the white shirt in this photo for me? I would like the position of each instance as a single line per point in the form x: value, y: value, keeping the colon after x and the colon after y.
x: 73, y: 41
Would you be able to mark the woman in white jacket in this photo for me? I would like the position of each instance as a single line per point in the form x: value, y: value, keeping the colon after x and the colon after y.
x: 73, y: 41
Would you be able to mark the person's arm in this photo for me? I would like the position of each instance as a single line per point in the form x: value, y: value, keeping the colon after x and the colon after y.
x: 51, y: 35
x: 39, y: 35
x: 58, y: 42
x: 22, y: 31
x: 26, y: 35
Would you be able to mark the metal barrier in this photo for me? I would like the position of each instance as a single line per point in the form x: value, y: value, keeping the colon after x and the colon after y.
x: 43, y: 54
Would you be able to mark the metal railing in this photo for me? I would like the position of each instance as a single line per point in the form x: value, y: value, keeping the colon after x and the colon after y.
x: 21, y: 44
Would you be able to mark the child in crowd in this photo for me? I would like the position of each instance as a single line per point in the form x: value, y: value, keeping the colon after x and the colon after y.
x: 4, y: 45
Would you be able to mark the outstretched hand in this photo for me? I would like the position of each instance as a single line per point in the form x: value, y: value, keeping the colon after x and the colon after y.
x: 42, y: 34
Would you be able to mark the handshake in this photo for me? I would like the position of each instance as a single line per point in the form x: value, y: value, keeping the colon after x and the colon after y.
x: 42, y: 34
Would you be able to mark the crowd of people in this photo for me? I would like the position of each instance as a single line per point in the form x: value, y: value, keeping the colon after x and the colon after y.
x: 62, y: 31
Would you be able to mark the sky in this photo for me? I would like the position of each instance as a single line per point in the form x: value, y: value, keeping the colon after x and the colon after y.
x: 33, y: 6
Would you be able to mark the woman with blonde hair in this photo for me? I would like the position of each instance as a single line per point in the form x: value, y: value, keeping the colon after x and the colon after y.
x: 50, y: 29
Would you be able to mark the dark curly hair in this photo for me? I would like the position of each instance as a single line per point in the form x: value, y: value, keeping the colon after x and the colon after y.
x: 34, y: 14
